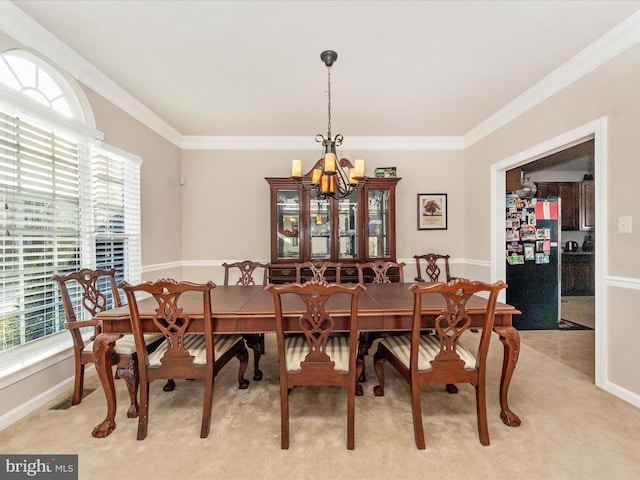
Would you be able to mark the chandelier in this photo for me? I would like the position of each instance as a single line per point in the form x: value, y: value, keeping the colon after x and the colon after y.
x: 330, y: 177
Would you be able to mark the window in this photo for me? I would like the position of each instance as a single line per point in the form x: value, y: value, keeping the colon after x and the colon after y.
x: 61, y: 207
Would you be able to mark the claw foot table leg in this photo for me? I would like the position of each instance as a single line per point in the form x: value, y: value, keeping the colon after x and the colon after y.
x: 511, y: 341
x: 105, y: 357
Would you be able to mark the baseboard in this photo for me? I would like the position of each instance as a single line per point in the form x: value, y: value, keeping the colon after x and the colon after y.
x: 39, y: 401
x: 623, y: 393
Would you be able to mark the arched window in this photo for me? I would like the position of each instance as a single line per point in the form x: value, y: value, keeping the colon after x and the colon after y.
x: 29, y: 75
x: 64, y: 204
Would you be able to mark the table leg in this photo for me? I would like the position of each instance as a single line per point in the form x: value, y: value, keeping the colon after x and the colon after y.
x: 511, y: 341
x: 105, y: 357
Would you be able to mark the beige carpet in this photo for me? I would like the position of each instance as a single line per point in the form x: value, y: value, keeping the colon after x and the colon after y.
x: 570, y: 430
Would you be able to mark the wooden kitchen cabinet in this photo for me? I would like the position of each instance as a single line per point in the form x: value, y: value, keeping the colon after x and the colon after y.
x: 570, y: 204
x: 577, y: 275
x: 587, y: 205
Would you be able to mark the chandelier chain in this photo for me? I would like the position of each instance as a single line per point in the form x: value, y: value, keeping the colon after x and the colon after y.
x: 329, y: 103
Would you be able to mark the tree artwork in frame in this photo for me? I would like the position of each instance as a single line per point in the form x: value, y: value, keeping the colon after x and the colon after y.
x: 432, y: 211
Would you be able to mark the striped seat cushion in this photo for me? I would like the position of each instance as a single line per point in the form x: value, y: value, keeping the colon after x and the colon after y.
x: 196, y: 346
x: 400, y: 347
x: 296, y: 349
x: 127, y: 345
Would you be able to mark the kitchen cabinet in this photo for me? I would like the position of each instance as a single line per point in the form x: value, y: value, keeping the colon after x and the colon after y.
x: 570, y: 204
x: 578, y: 274
x: 512, y: 179
x: 587, y: 205
x: 358, y: 228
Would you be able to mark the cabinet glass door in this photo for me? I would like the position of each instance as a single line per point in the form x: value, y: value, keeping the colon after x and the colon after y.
x: 288, y: 224
x: 320, y: 222
x: 379, y: 220
x: 348, y: 226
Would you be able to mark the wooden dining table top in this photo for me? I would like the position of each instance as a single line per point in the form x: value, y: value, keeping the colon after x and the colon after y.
x: 251, y: 308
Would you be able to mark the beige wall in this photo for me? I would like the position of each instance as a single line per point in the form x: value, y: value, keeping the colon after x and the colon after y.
x: 609, y: 91
x: 226, y: 212
x: 161, y: 207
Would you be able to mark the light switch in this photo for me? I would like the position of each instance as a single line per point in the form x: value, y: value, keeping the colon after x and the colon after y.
x: 624, y: 224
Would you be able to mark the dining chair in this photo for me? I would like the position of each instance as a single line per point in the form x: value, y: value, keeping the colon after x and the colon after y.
x: 378, y: 271
x: 183, y: 355
x: 316, y: 356
x: 432, y: 267
x: 442, y: 359
x: 247, y: 270
x: 94, y: 291
x: 331, y: 272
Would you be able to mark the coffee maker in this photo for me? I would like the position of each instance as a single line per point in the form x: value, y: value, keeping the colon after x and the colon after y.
x: 587, y: 244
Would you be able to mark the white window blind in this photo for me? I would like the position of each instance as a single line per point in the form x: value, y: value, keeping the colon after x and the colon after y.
x: 116, y: 215
x: 40, y: 228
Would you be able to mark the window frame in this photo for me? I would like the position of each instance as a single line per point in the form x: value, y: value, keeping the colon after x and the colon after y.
x: 24, y: 360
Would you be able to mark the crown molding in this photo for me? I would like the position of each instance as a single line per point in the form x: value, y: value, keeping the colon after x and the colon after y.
x: 616, y: 41
x: 23, y: 28
x: 309, y: 143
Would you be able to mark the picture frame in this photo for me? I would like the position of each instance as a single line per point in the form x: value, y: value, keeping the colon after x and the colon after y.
x: 385, y: 172
x: 432, y: 211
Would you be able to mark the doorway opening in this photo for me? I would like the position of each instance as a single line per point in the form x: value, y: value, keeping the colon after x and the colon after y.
x: 594, y: 136
x: 555, y: 289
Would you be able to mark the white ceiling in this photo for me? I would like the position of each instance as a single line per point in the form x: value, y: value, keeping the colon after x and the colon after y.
x: 253, y: 68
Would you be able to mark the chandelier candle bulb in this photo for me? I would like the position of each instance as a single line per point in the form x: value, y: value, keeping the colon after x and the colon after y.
x: 315, y: 177
x: 359, y: 169
x: 352, y: 177
x: 296, y: 168
x: 330, y: 163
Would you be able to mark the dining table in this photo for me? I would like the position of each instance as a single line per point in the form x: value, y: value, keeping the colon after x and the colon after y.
x: 385, y: 307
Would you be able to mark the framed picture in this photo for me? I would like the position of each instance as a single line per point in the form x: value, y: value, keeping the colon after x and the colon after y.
x: 385, y: 172
x: 432, y: 211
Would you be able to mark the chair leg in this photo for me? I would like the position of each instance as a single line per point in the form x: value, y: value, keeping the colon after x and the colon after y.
x: 365, y: 340
x: 416, y: 408
x: 78, y: 386
x: 143, y: 416
x: 256, y: 343
x: 351, y: 409
x: 481, y: 410
x: 378, y: 363
x: 243, y: 357
x: 129, y: 374
x: 284, y: 415
x: 359, y: 368
x: 206, y: 408
x: 169, y: 386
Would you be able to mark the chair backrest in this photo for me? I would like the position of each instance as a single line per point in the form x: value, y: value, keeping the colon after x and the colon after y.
x: 95, y: 297
x: 316, y: 323
x: 319, y: 270
x: 247, y: 270
x: 380, y: 271
x: 170, y: 319
x: 432, y: 267
x: 96, y: 287
x: 453, y: 322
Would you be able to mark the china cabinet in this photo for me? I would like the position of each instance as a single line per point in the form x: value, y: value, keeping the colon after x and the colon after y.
x: 357, y: 228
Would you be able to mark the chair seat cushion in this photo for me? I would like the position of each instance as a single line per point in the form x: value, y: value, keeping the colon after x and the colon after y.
x: 127, y: 345
x: 296, y: 349
x: 400, y: 347
x: 196, y: 346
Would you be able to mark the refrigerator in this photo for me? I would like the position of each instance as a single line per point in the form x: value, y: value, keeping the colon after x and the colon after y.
x: 533, y: 261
